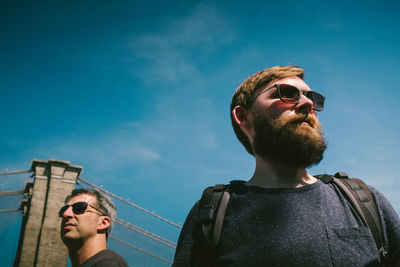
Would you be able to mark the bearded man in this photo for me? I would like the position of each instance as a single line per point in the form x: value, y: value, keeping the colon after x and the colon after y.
x: 283, y: 215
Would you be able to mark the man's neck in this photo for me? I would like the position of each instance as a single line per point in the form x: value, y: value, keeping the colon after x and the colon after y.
x: 80, y: 253
x: 278, y: 175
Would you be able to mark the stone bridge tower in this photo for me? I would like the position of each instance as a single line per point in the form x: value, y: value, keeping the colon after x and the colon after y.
x: 40, y: 243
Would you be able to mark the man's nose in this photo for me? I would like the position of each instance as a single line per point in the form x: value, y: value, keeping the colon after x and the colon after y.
x: 68, y: 212
x: 305, y: 105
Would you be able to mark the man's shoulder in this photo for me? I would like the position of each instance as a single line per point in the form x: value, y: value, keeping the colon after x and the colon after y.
x: 105, y: 258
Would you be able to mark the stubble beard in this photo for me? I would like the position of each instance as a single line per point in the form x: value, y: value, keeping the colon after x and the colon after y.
x: 72, y: 240
x: 288, y: 140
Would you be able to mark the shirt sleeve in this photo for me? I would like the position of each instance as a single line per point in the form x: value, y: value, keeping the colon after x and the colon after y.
x: 391, y: 225
x: 185, y: 242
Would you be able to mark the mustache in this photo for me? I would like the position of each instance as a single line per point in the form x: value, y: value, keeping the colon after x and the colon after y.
x: 299, y: 118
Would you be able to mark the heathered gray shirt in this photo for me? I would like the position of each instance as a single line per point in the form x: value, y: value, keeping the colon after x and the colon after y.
x: 308, y: 226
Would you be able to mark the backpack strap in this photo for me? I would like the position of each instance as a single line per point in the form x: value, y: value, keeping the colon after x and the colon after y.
x: 203, y: 251
x: 361, y: 199
x: 212, y: 211
x: 207, y: 232
x: 219, y: 220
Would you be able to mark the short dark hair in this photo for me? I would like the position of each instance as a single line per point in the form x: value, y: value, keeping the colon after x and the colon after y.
x: 104, y: 203
x: 244, y: 95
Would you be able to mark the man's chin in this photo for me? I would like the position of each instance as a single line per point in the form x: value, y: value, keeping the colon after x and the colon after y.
x: 72, y: 242
x: 296, y: 141
x: 304, y: 148
x: 68, y: 236
x: 293, y: 162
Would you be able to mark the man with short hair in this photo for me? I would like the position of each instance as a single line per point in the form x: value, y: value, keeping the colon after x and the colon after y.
x: 284, y: 216
x: 87, y: 219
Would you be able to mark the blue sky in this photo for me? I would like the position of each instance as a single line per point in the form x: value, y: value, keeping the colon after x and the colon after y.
x: 138, y: 92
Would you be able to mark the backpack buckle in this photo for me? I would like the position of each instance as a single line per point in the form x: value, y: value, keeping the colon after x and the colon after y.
x: 207, y: 214
x: 383, y: 253
x: 341, y: 175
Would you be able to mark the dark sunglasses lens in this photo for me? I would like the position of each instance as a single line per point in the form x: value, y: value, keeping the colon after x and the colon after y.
x: 317, y: 99
x: 62, y: 210
x: 79, y: 207
x: 288, y: 93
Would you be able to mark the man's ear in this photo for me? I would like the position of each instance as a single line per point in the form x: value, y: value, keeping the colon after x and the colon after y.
x: 104, y: 223
x: 242, y: 117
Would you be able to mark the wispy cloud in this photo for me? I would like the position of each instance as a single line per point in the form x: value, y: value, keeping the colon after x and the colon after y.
x: 169, y: 133
x: 105, y: 151
x: 169, y: 53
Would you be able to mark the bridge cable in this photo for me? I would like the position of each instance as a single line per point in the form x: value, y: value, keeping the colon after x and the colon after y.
x: 9, y: 193
x: 130, y: 203
x: 9, y: 210
x: 146, y: 233
x: 14, y: 172
x: 139, y: 249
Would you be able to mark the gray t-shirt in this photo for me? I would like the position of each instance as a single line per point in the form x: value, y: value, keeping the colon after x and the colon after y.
x: 105, y: 258
x: 312, y: 225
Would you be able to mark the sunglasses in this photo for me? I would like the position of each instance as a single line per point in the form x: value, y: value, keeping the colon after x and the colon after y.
x: 77, y: 208
x: 291, y: 94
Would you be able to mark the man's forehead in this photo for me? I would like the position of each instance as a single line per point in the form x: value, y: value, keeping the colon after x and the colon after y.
x: 292, y: 80
x: 82, y: 198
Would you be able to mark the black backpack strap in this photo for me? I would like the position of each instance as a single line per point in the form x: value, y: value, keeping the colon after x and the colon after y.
x: 212, y: 211
x: 212, y: 208
x: 219, y: 220
x: 206, y: 228
x: 360, y: 197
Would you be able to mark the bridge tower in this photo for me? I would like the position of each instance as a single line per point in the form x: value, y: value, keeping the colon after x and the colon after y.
x: 40, y: 243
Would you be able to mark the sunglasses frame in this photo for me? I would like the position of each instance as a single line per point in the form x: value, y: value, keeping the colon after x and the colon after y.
x: 309, y: 94
x: 66, y: 207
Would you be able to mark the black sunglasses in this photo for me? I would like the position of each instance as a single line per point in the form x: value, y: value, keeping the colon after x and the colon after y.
x: 77, y: 208
x: 291, y: 94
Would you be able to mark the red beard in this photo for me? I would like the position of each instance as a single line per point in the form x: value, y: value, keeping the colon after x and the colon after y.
x: 296, y: 141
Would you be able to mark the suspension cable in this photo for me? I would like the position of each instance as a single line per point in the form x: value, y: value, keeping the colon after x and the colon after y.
x: 9, y: 210
x: 139, y: 249
x: 14, y: 172
x: 9, y: 193
x: 146, y: 233
x: 130, y: 203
